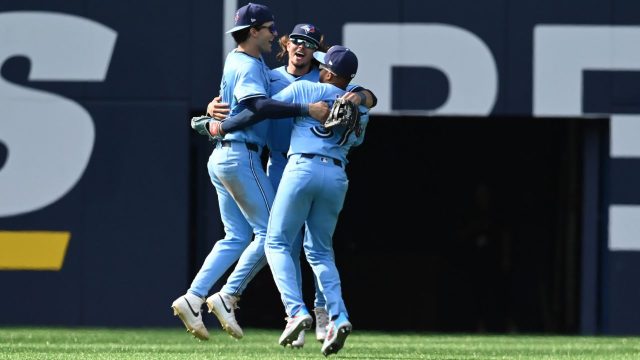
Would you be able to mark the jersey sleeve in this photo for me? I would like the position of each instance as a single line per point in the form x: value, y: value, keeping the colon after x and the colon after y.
x: 250, y: 84
x: 303, y: 91
x: 354, y: 88
x: 288, y: 94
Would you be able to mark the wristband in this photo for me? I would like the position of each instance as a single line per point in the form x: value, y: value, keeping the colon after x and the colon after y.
x: 221, y: 132
x: 304, y: 109
x: 363, y: 98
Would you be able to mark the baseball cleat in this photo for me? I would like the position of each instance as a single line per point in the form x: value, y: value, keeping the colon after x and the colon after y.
x: 188, y: 309
x: 295, y: 324
x: 337, y: 333
x: 299, y: 342
x: 322, y: 321
x: 223, y: 306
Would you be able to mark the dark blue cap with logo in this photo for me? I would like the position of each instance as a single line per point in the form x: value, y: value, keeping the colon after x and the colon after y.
x: 251, y: 15
x: 340, y: 60
x: 306, y: 32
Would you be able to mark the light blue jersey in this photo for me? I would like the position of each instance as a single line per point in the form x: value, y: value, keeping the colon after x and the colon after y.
x: 308, y: 135
x: 280, y: 129
x: 245, y: 77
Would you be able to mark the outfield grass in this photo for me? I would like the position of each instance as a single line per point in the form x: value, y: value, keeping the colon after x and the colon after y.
x: 66, y: 343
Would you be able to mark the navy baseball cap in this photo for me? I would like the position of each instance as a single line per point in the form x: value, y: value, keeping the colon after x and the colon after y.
x: 251, y: 15
x: 340, y: 60
x: 306, y: 32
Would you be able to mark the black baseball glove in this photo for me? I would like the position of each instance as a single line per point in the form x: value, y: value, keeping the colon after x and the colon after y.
x: 344, y: 113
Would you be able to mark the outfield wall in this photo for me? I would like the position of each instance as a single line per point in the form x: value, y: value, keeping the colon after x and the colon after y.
x: 100, y: 206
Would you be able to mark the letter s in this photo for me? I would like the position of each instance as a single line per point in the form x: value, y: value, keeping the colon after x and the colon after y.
x: 49, y: 137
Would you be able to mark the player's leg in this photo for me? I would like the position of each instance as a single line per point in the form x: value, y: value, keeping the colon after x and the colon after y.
x: 296, y: 253
x: 238, y: 232
x: 255, y: 196
x: 318, y: 244
x: 275, y: 167
x: 225, y: 252
x: 321, y: 223
x: 287, y: 216
x: 244, y: 178
x: 320, y: 312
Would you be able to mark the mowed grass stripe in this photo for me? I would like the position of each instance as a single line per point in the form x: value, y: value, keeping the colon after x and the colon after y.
x: 175, y: 343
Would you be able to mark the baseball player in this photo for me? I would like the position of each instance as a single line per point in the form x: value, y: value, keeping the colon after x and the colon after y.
x: 299, y: 46
x: 245, y: 194
x: 311, y: 193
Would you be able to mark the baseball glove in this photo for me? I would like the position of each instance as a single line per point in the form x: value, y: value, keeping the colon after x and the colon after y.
x: 204, y: 125
x: 344, y: 113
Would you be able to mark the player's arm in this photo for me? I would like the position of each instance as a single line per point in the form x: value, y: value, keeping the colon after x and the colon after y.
x: 274, y: 109
x: 260, y: 108
x: 364, y: 120
x: 219, y: 110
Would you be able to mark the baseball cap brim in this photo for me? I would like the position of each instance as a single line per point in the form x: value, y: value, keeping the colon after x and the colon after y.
x: 236, y: 28
x: 319, y: 55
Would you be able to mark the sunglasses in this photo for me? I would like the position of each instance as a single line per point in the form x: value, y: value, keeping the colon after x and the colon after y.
x: 305, y: 43
x: 324, y: 67
x: 271, y: 28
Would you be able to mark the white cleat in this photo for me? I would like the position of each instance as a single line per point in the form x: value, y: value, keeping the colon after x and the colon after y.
x: 299, y: 342
x: 223, y: 306
x: 337, y: 333
x: 188, y: 308
x: 322, y: 321
x: 295, y: 325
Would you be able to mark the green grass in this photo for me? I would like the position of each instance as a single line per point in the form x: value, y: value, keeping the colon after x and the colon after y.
x: 82, y: 343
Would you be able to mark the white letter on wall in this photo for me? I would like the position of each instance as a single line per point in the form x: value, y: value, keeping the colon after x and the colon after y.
x: 561, y: 55
x: 460, y: 55
x: 563, y: 52
x: 49, y: 138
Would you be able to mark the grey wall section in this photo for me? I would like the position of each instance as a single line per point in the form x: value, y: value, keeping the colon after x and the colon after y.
x: 128, y: 223
x: 131, y: 215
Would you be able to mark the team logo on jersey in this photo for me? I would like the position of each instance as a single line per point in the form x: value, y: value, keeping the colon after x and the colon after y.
x: 308, y: 29
x: 321, y: 131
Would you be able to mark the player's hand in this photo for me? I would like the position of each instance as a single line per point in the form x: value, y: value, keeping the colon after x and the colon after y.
x: 215, y: 129
x: 353, y: 97
x: 319, y: 111
x: 356, y: 98
x: 218, y: 110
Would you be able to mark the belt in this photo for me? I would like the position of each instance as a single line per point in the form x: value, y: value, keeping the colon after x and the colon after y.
x: 336, y: 162
x: 250, y: 146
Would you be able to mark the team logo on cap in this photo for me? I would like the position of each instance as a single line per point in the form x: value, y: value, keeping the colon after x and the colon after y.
x: 237, y: 18
x: 308, y: 28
